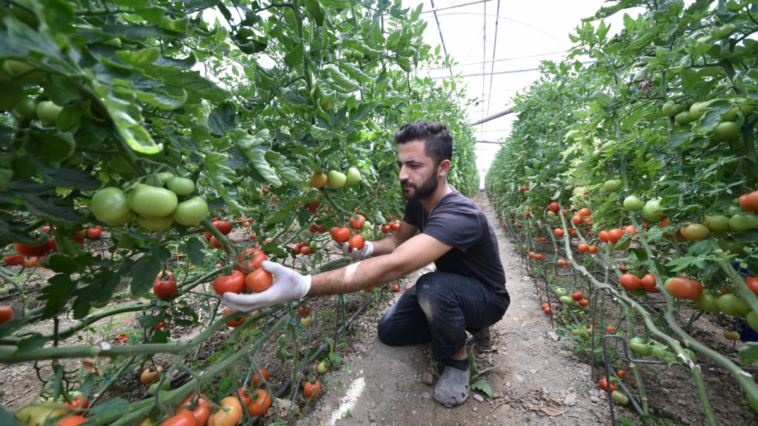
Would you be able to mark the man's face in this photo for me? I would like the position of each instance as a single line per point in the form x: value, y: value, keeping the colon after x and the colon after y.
x: 418, y: 175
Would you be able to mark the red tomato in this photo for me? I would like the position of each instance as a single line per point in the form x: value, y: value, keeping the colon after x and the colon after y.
x: 394, y: 226
x: 682, y: 288
x: 159, y: 326
x: 553, y: 207
x: 583, y: 303
x: 547, y: 310
x: 609, y: 329
x: 32, y: 251
x: 615, y: 235
x: 648, y: 283
x: 604, y: 385
x: 223, y: 227
x: 234, y: 283
x: 577, y: 296
x: 340, y: 235
x: 631, y: 229
x: 6, y: 313
x: 207, y: 235
x: 16, y: 259
x: 356, y: 242
x: 583, y: 248
x: 234, y: 323
x: 74, y: 421
x: 227, y: 418
x: 122, y: 338
x: 305, y: 251
x: 201, y: 412
x: 304, y: 311
x: 630, y: 282
x: 265, y: 190
x: 356, y: 223
x: 603, y: 235
x: 577, y: 220
x: 296, y: 249
x: 45, y: 228
x: 259, y: 281
x: 164, y: 288
x: 260, y: 404
x: 621, y: 374
x: 312, y: 390
x: 593, y: 249
x: 538, y: 256
x: 215, y: 243
x: 257, y: 377
x: 395, y: 288
x: 749, y: 201
x: 584, y: 212
x: 30, y: 262
x: 385, y: 229
x: 558, y: 232
x: 94, y: 233
x: 184, y: 418
x: 242, y: 397
x: 77, y: 403
x: 752, y: 284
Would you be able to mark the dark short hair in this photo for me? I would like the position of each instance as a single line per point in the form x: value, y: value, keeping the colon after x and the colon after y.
x: 437, y: 139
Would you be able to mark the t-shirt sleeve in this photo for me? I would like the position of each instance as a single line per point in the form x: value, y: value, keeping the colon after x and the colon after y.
x: 409, y: 216
x: 456, y: 227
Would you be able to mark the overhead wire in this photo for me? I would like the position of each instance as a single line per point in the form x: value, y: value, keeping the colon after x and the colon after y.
x: 484, y: 54
x: 439, y: 28
x: 494, y: 52
x: 507, y: 19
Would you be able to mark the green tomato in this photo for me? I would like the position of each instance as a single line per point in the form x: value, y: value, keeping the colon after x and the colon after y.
x: 110, y: 205
x: 115, y: 42
x: 48, y: 112
x: 37, y: 414
x: 741, y: 306
x: 155, y: 223
x: 698, y: 109
x: 362, y: 293
x: 166, y: 385
x: 724, y: 31
x: 684, y: 118
x: 708, y: 302
x: 314, y: 246
x: 550, y: 214
x: 322, y: 368
x: 633, y: 204
x: 191, y: 212
x: 561, y: 291
x: 306, y: 321
x: 652, y: 210
x: 579, y: 331
x: 337, y: 179
x: 619, y: 397
x: 596, y: 155
x: 165, y: 176
x: 661, y: 353
x: 752, y: 320
x: 671, y: 109
x: 717, y: 223
x: 181, y: 186
x: 725, y: 131
x: 18, y: 68
x: 27, y: 108
x: 366, y: 225
x: 732, y: 246
x: 743, y: 222
x: 152, y: 202
x: 4, y: 290
x: 727, y: 307
x: 613, y: 185
x: 358, y: 55
x: 353, y: 175
x: 639, y: 345
x: 566, y: 300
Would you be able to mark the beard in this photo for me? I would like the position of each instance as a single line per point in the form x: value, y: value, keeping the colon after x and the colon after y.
x: 427, y: 188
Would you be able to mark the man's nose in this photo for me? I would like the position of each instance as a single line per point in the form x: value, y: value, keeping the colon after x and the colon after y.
x: 403, y: 174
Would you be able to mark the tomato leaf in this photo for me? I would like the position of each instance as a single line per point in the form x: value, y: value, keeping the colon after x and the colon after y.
x: 60, y: 291
x: 150, y: 321
x: 483, y: 387
x: 143, y: 274
x: 222, y: 120
x: 193, y: 248
x: 109, y: 410
x: 749, y: 354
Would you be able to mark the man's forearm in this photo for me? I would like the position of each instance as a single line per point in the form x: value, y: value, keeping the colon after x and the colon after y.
x: 386, y: 245
x: 358, y: 276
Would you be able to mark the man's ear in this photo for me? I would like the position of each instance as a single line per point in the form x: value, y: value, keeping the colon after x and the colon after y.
x: 444, y: 167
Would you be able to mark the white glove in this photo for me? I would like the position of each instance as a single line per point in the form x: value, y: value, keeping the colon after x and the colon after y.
x: 356, y: 254
x: 287, y: 285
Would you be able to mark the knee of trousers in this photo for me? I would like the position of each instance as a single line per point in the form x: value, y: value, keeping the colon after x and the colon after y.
x: 428, y: 290
x: 384, y: 333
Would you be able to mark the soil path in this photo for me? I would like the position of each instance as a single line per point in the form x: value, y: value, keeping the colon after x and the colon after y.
x: 535, y: 379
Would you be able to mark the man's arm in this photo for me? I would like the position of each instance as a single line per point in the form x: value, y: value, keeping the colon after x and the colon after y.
x: 389, y: 243
x: 408, y: 256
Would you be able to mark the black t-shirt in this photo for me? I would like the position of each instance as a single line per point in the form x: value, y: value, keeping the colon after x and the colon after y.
x: 458, y: 222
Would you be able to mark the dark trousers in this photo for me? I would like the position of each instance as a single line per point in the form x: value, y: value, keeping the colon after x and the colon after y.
x: 439, y: 309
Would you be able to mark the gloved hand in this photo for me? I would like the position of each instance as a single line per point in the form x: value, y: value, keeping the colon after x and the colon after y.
x: 356, y: 254
x: 288, y: 284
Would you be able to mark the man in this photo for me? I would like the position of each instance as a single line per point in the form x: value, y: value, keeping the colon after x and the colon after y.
x: 466, y: 293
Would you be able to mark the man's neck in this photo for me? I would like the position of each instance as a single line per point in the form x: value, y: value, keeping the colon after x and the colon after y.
x: 432, y: 200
